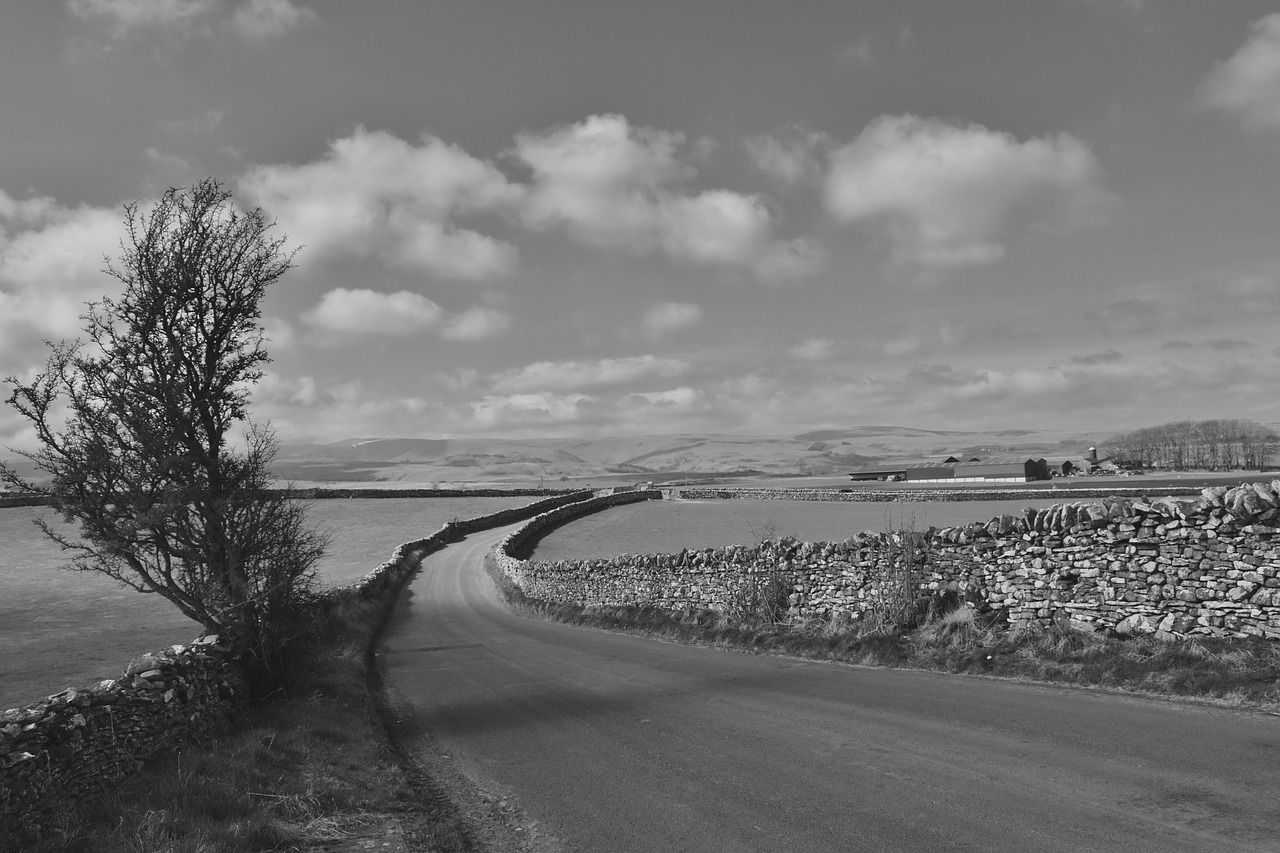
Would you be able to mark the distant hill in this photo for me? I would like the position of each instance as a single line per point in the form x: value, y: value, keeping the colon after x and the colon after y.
x: 820, y: 452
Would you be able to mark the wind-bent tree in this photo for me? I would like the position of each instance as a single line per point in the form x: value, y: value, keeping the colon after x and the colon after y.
x: 144, y: 435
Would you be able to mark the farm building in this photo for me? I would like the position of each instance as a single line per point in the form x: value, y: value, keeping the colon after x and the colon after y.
x: 864, y: 474
x: 987, y: 471
x: 930, y: 473
x: 991, y: 471
x: 973, y: 471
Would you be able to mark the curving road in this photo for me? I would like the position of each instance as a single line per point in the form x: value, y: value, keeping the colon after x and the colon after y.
x: 619, y: 743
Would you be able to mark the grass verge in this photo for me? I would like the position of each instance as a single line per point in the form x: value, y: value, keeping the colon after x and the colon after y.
x: 1243, y: 673
x: 309, y: 766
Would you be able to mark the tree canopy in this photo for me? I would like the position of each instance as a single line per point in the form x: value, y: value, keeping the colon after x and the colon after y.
x: 1210, y: 445
x: 143, y: 429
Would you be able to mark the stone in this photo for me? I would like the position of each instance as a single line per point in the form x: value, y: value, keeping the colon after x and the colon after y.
x: 1136, y: 625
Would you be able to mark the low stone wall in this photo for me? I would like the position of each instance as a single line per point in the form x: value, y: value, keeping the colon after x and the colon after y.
x: 511, y: 550
x: 1205, y: 566
x: 70, y: 746
x: 939, y: 495
x: 343, y: 493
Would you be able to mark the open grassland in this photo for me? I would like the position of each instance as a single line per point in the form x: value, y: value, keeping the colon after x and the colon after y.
x: 61, y: 628
x: 366, y: 530
x: 665, y: 527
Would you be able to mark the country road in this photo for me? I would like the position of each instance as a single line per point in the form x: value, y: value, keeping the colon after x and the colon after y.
x: 618, y: 743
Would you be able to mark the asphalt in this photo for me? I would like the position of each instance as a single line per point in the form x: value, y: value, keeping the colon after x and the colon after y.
x: 609, y: 742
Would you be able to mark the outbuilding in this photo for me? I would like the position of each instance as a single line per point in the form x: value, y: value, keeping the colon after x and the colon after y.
x: 996, y: 471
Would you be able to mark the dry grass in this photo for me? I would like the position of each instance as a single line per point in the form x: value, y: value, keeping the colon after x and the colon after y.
x: 310, y: 766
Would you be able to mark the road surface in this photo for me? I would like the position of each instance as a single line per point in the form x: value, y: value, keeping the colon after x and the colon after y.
x: 619, y: 743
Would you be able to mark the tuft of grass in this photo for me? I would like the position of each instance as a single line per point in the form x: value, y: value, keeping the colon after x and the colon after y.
x: 1235, y: 672
x: 311, y: 765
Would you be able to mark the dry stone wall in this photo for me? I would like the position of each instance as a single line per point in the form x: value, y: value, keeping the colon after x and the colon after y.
x: 934, y: 495
x: 1210, y: 565
x: 70, y: 746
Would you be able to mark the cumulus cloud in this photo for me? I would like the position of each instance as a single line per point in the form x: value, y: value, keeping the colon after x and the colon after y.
x: 1189, y: 307
x: 682, y: 399
x: 477, y: 324
x: 204, y: 123
x: 255, y: 19
x: 360, y: 311
x: 562, y: 376
x: 279, y: 334
x: 51, y: 260
x: 307, y: 408
x: 1105, y: 357
x: 265, y: 19
x: 858, y: 52
x: 791, y: 155
x: 1248, y: 83
x: 1226, y: 344
x: 375, y: 194
x: 521, y: 411
x: 614, y: 186
x: 124, y: 16
x: 667, y: 317
x: 814, y: 349
x: 949, y: 195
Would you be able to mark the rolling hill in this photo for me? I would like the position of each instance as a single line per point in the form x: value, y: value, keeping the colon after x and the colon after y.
x: 822, y: 452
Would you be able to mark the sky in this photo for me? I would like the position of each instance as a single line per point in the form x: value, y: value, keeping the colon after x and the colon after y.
x: 591, y: 218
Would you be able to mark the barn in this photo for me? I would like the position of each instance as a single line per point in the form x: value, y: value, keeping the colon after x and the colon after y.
x: 1002, y: 471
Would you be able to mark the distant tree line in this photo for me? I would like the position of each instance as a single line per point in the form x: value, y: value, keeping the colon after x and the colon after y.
x: 1213, y: 445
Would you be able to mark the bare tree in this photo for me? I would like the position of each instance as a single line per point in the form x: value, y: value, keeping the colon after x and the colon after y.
x: 1212, y: 444
x: 144, y: 434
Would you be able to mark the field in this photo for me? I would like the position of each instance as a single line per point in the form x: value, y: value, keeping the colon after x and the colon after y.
x: 661, y: 527
x: 63, y: 629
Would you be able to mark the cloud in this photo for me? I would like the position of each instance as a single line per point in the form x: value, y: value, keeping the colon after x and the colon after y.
x: 1110, y: 356
x: 266, y: 19
x: 667, y: 317
x: 1248, y: 84
x: 562, y: 376
x: 1189, y: 307
x: 279, y: 334
x: 790, y: 155
x: 51, y: 261
x: 1129, y: 316
x: 521, y: 411
x: 814, y: 349
x: 307, y: 409
x: 359, y: 311
x: 124, y: 16
x: 254, y: 19
x: 792, y: 260
x: 477, y: 324
x: 950, y: 195
x: 613, y: 186
x: 681, y: 399
x: 1177, y: 343
x: 204, y: 123
x: 857, y: 52
x: 1228, y: 344
x: 373, y: 194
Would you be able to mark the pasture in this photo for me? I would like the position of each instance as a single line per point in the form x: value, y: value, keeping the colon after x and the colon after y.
x: 60, y: 628
x: 662, y: 527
